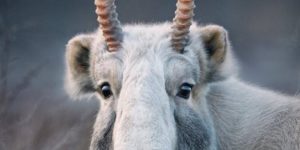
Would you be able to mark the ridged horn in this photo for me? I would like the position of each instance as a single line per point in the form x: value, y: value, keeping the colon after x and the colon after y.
x: 109, y: 23
x: 181, y: 23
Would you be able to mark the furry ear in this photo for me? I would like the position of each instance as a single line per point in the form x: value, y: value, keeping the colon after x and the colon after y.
x: 220, y: 63
x: 78, y: 80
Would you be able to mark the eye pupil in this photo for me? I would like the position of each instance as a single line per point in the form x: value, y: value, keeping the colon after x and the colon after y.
x: 185, y: 91
x: 105, y: 90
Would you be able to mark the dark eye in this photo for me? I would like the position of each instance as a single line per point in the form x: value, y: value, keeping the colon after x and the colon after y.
x: 185, y: 90
x: 105, y: 90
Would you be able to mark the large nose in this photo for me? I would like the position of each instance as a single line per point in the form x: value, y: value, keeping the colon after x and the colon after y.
x: 144, y: 115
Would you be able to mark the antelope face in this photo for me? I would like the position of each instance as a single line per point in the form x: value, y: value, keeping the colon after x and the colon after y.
x: 150, y: 83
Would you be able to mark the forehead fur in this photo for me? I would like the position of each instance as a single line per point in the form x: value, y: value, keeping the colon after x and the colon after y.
x: 150, y: 43
x: 145, y: 36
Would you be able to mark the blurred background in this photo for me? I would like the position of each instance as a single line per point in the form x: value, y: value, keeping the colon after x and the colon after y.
x: 35, y: 112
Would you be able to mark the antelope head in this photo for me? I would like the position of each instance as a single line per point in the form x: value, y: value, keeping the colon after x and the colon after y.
x: 150, y: 79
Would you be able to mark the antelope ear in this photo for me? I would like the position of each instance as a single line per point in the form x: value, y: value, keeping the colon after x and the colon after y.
x: 78, y: 80
x: 220, y: 62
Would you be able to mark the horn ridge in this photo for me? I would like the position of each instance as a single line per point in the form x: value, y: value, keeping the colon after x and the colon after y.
x: 109, y: 23
x: 181, y: 24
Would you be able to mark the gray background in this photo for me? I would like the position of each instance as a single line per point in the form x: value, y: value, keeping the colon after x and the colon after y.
x: 36, y: 113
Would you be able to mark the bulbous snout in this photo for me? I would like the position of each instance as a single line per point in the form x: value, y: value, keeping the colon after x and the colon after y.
x: 144, y: 116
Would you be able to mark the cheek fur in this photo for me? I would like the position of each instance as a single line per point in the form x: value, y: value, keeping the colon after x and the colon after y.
x: 106, y: 142
x: 192, y: 132
x: 103, y: 132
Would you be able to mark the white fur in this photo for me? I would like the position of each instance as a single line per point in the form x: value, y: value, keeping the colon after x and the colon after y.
x: 145, y: 76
